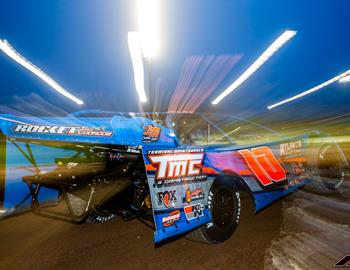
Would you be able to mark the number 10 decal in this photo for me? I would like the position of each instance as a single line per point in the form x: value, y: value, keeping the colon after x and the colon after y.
x: 264, y: 165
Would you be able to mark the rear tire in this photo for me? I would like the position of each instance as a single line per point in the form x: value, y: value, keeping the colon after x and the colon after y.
x: 97, y: 214
x: 225, y: 206
x: 100, y: 215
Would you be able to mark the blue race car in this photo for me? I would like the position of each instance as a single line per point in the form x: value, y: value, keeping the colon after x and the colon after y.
x: 160, y: 168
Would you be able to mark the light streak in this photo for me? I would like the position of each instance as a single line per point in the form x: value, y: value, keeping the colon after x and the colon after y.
x: 13, y: 54
x: 271, y: 50
x: 307, y: 92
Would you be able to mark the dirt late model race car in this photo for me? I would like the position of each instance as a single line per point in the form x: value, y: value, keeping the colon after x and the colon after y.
x: 160, y: 169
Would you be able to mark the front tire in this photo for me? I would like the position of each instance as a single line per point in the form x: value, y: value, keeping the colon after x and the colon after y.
x: 330, y: 171
x: 225, y: 207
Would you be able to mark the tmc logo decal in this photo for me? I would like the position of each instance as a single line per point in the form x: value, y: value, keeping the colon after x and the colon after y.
x: 177, y: 165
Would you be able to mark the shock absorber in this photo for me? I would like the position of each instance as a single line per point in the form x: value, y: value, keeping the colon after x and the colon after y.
x: 140, y: 195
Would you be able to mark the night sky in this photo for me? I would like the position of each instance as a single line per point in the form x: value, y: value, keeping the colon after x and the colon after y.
x: 83, y: 45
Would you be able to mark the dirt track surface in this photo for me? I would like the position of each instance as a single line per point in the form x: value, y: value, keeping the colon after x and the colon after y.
x: 299, y: 232
x: 32, y: 242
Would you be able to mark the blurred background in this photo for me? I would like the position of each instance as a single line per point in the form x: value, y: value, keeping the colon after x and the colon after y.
x: 201, y: 48
x: 204, y: 68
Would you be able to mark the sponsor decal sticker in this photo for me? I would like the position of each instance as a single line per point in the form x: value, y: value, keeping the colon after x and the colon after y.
x: 297, y: 168
x: 290, y: 149
x: 167, y: 198
x: 194, y: 211
x: 197, y: 194
x: 62, y: 130
x: 176, y: 167
x: 181, y: 180
x: 171, y: 219
x: 151, y: 134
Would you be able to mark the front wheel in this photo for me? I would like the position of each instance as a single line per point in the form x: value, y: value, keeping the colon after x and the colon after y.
x: 330, y: 171
x: 225, y: 207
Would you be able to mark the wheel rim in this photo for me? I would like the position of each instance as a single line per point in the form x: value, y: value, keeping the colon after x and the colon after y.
x: 223, y: 208
x: 331, y: 167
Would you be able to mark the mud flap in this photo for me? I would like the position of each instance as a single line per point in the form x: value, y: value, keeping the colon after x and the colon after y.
x: 179, y: 190
x: 181, y: 226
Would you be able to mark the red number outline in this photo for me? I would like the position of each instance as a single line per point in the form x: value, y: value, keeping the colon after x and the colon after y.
x: 264, y: 165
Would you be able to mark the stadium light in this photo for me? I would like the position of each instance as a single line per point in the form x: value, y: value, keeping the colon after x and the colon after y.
x: 13, y: 54
x: 134, y: 42
x: 271, y: 50
x: 314, y: 89
x: 345, y: 79
x: 148, y: 25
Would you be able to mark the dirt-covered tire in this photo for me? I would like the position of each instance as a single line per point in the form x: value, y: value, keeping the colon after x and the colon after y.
x: 95, y: 215
x: 100, y: 215
x: 330, y: 170
x: 225, y: 206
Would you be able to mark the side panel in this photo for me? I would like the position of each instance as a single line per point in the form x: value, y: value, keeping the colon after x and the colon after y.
x: 269, y: 171
x: 180, y: 180
x: 179, y: 190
